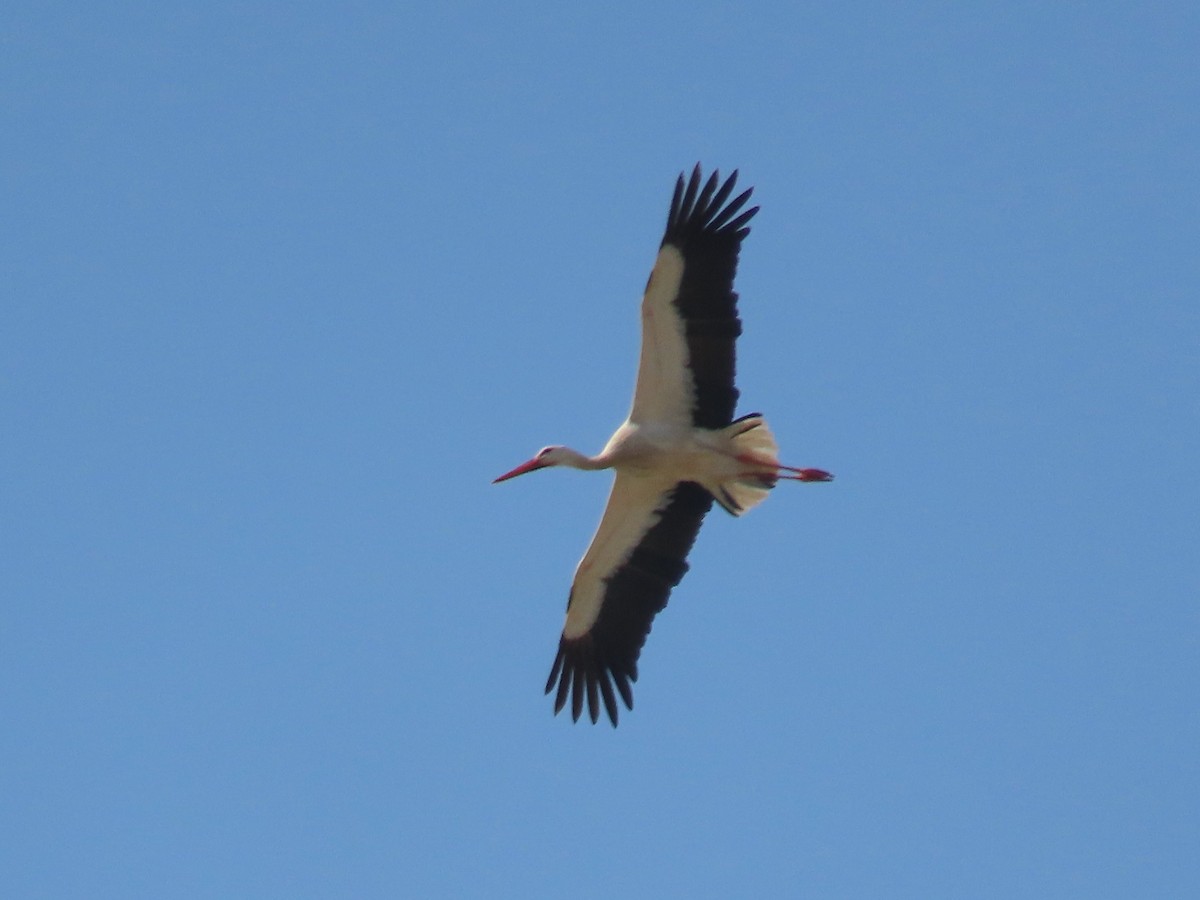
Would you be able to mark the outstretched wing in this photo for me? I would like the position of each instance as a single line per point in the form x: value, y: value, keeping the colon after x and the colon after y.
x: 638, y: 554
x: 689, y: 310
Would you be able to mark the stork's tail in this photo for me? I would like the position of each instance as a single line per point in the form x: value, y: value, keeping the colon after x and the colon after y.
x: 751, y: 439
x: 754, y: 446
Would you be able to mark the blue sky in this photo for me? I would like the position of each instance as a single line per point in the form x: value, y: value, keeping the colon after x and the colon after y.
x: 286, y: 285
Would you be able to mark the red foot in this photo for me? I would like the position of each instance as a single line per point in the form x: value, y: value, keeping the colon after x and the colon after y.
x: 807, y: 474
x: 815, y: 475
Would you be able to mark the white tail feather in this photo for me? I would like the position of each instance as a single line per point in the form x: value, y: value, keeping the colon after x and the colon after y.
x: 752, y: 437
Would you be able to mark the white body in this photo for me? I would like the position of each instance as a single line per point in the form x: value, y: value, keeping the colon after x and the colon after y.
x: 650, y: 460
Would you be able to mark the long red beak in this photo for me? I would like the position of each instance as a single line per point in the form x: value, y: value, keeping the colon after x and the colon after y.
x: 521, y: 470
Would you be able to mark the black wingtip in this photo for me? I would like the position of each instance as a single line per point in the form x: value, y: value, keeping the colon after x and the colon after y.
x: 564, y: 685
x: 703, y: 209
x: 610, y: 702
x: 576, y: 694
x: 590, y: 686
x: 555, y: 670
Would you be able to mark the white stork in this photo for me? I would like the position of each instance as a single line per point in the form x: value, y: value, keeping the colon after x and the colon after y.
x: 679, y: 450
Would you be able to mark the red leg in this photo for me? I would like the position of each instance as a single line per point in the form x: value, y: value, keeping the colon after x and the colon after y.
x: 800, y: 474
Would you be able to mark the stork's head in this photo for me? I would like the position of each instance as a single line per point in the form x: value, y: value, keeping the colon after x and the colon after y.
x: 547, y: 456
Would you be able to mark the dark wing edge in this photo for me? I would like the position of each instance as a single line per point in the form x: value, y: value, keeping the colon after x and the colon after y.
x: 708, y: 232
x: 605, y: 659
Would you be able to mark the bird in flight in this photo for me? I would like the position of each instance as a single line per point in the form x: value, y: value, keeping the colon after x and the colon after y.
x: 679, y: 450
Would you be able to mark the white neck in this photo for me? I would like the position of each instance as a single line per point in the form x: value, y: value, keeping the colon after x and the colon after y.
x: 577, y: 460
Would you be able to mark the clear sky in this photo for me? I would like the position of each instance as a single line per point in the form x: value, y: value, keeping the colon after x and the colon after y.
x: 283, y: 286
